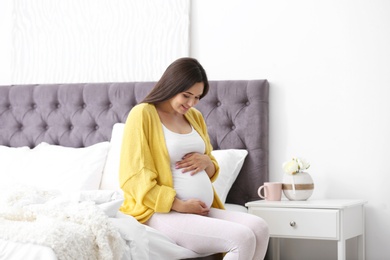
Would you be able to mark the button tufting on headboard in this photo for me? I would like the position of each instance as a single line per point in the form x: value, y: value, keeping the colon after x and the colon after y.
x: 236, y: 114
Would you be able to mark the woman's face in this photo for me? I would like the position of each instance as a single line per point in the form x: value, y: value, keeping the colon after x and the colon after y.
x: 187, y: 99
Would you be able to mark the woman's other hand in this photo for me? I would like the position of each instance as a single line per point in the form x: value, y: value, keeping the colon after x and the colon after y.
x: 193, y: 206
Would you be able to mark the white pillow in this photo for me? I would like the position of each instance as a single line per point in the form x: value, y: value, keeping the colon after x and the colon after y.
x: 110, y: 178
x: 230, y: 162
x: 57, y: 167
x: 11, y: 160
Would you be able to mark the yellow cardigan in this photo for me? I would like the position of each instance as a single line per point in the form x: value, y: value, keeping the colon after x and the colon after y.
x: 144, y: 174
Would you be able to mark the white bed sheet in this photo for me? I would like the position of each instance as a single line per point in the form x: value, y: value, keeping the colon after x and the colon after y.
x: 10, y: 250
x: 235, y: 207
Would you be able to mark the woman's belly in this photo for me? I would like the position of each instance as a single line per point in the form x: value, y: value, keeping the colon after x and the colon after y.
x: 197, y: 186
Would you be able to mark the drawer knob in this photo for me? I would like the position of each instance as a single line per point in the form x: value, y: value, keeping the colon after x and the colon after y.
x: 292, y: 223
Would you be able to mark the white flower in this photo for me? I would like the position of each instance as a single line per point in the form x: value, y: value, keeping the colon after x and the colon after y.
x: 303, y: 164
x: 291, y: 167
x: 295, y: 165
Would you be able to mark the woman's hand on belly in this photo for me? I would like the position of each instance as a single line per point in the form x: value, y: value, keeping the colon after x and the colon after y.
x: 196, y: 162
x: 193, y: 206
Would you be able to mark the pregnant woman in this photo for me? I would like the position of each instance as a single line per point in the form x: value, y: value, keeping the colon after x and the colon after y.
x: 167, y: 170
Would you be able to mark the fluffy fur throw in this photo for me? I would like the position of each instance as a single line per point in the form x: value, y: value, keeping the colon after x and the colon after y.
x: 74, y: 230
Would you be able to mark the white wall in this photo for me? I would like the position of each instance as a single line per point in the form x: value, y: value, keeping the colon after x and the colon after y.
x: 56, y: 41
x: 328, y: 64
x: 6, y: 41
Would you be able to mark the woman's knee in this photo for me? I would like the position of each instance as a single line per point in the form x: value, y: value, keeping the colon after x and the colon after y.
x: 259, y: 227
x: 246, y: 236
x: 244, y: 244
x: 263, y: 226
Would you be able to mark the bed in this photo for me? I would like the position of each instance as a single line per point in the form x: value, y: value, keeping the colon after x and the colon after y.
x: 53, y: 126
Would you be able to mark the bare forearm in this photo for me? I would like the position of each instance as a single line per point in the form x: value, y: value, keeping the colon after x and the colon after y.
x: 178, y: 205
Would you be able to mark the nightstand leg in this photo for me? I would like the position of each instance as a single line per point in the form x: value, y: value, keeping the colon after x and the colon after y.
x: 361, y: 246
x: 341, y: 249
x: 275, y: 245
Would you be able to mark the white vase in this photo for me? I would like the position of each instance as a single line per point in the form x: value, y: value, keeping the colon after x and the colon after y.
x: 298, y: 186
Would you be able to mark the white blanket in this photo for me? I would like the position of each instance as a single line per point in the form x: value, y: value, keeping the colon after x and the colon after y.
x: 77, y: 225
x: 74, y: 229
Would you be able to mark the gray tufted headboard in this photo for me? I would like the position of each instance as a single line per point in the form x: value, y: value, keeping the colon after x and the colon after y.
x: 79, y: 115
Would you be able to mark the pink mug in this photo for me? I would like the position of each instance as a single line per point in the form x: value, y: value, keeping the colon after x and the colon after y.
x: 272, y: 191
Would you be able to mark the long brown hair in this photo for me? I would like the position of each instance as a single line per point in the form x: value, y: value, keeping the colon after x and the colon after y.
x: 181, y: 75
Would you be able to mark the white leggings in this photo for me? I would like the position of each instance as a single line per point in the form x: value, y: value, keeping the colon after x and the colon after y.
x: 241, y: 235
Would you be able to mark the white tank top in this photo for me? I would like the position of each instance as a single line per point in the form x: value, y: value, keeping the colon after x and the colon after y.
x: 197, y: 186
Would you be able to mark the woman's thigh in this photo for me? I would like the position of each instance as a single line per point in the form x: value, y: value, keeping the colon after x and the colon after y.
x: 255, y: 223
x: 205, y: 234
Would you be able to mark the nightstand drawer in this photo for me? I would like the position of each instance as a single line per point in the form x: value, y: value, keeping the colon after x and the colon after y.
x: 300, y: 223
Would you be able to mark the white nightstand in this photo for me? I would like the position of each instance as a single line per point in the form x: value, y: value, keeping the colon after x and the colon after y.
x: 313, y: 219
